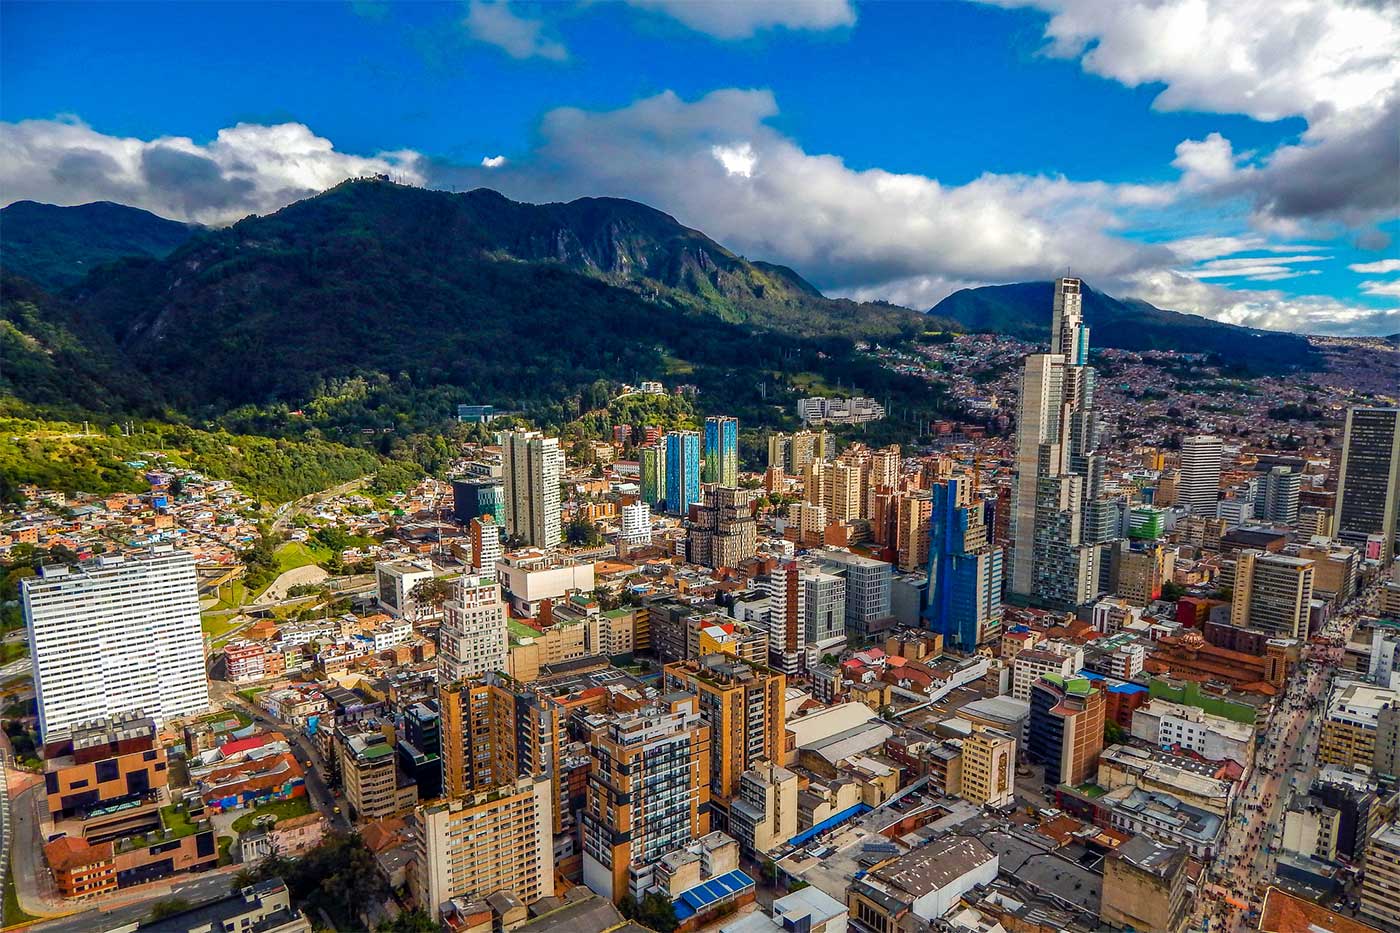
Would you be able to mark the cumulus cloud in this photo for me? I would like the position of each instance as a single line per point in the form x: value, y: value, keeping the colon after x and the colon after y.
x: 495, y: 23
x: 495, y: 161
x: 1385, y: 289
x: 1335, y: 63
x: 245, y: 169
x: 740, y: 19
x: 718, y: 165
x: 1376, y: 268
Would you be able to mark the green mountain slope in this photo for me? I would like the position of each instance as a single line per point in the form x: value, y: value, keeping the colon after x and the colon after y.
x: 1023, y: 310
x: 384, y: 305
x: 56, y: 246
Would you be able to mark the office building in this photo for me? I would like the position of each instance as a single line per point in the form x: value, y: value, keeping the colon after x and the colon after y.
x: 868, y: 586
x: 113, y: 635
x: 635, y: 528
x: 682, y: 471
x: 395, y: 581
x: 1278, y: 495
x: 824, y: 613
x: 743, y: 704
x: 764, y: 815
x: 533, y: 467
x: 1051, y: 563
x: 1368, y: 485
x: 721, y: 451
x: 724, y: 532
x: 1065, y: 730
x: 473, y: 498
x: 488, y: 842
x: 1198, y: 487
x: 473, y: 639
x: 370, y: 777
x: 485, y: 537
x: 912, y: 511
x: 1352, y: 722
x: 1380, y: 888
x: 651, y: 459
x: 648, y: 793
x: 964, y: 569
x: 989, y: 768
x: 1272, y: 593
x: 1137, y: 570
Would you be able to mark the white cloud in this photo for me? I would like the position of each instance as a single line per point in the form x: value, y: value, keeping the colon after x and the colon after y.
x: 1268, y: 268
x: 740, y: 19
x: 248, y: 168
x: 1388, y: 289
x: 1335, y: 63
x: 1376, y: 268
x: 737, y: 160
x: 495, y: 23
x: 495, y: 161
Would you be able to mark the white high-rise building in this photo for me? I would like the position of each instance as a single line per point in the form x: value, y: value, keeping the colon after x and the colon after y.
x: 472, y: 640
x: 636, y: 523
x: 1198, y: 489
x: 1055, y: 437
x: 533, y: 467
x: 116, y: 635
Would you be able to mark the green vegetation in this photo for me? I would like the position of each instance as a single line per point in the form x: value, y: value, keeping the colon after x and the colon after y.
x: 56, y: 246
x: 168, y: 908
x: 177, y: 822
x: 295, y: 554
x: 656, y: 912
x: 12, y: 913
x: 218, y: 625
x: 58, y: 455
x: 521, y: 630
x: 278, y: 809
x: 13, y: 651
x: 339, y: 876
x: 409, y: 921
x: 225, y: 855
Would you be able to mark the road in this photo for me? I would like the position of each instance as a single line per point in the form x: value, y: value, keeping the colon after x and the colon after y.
x: 282, y: 519
x: 1285, y: 761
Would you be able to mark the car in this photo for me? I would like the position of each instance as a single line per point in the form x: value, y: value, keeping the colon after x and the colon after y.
x: 336, y: 810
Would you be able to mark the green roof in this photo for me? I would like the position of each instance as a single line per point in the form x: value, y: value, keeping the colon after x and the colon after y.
x: 374, y: 752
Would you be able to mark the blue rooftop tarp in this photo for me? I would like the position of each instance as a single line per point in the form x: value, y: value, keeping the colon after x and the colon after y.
x: 730, y: 884
x: 1127, y: 688
x: 849, y: 813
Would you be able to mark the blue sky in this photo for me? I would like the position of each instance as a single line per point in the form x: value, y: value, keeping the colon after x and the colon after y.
x: 894, y: 150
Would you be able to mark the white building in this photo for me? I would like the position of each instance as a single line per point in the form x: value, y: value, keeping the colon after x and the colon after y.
x: 396, y: 580
x: 1050, y: 658
x: 473, y: 638
x: 868, y: 586
x: 116, y: 635
x: 1215, y: 737
x: 1198, y: 489
x: 636, y: 524
x: 531, y: 577
x: 532, y: 468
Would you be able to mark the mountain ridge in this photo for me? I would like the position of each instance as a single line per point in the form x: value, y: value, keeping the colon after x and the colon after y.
x: 1021, y: 309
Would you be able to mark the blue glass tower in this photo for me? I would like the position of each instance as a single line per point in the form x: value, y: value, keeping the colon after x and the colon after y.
x: 964, y: 570
x: 722, y: 451
x: 682, y: 470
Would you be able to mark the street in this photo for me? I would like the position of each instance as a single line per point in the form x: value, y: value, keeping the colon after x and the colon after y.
x: 1285, y: 761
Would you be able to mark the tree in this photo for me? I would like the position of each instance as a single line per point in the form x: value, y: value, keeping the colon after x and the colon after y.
x: 581, y: 532
x: 434, y: 591
x: 409, y: 921
x: 658, y: 912
x: 169, y: 907
x: 1113, y: 734
x: 1172, y: 591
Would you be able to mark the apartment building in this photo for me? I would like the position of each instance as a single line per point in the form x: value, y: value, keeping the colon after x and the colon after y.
x: 472, y: 639
x: 1380, y: 888
x: 988, y: 768
x: 370, y: 777
x: 1028, y: 666
x: 648, y: 793
x: 764, y: 815
x: 116, y: 634
x: 1351, y: 724
x: 499, y: 840
x: 1065, y: 730
x: 743, y: 706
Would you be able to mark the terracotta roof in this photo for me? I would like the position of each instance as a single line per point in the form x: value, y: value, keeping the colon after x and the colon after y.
x: 70, y: 852
x: 1284, y: 913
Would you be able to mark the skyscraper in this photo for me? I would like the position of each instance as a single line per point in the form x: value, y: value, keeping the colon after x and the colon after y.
x: 1368, y: 490
x: 485, y: 536
x: 533, y: 467
x: 472, y: 639
x: 682, y: 470
x: 722, y: 451
x: 1272, y: 593
x: 787, y: 605
x: 116, y: 635
x: 964, y: 569
x: 1282, y: 487
x: 1056, y: 432
x: 1198, y: 489
x: 472, y: 498
x: 652, y: 461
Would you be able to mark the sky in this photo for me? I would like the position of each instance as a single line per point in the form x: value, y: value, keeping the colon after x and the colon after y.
x: 1238, y: 159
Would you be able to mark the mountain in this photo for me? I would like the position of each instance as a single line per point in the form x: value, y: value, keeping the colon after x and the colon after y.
x: 375, y: 303
x: 56, y: 246
x: 1023, y: 310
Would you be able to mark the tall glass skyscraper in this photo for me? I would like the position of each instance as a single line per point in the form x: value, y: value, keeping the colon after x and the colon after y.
x: 722, y: 451
x: 964, y: 569
x: 682, y: 470
x: 652, y: 461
